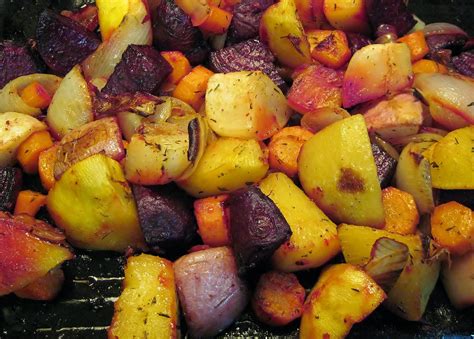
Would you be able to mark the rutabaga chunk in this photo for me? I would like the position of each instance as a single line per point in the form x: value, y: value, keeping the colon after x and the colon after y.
x: 245, y: 105
x: 257, y: 227
x: 210, y: 291
x: 376, y: 70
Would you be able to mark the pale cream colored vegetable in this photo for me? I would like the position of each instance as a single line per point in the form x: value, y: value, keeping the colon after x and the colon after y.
x: 245, y: 105
x: 14, y: 129
x: 10, y: 100
x: 71, y: 106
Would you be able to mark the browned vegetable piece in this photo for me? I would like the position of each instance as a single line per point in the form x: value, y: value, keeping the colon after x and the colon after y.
x: 29, y: 249
x: 166, y: 218
x: 257, y: 227
x: 45, y: 288
x: 99, y: 136
x: 278, y: 298
x: 10, y: 183
x: 210, y: 291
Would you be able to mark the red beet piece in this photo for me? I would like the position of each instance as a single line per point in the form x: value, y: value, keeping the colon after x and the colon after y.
x: 142, y: 69
x: 357, y: 41
x: 246, y: 20
x: 174, y: 31
x: 62, y: 42
x: 15, y: 60
x: 250, y: 55
x: 10, y: 184
x: 166, y: 218
x: 464, y: 63
x: 385, y: 164
x: 257, y: 227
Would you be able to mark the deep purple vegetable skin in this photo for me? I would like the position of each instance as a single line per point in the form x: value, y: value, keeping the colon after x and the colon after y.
x: 174, y: 31
x: 246, y: 20
x: 250, y: 55
x: 357, y: 41
x: 166, y: 218
x: 11, y: 179
x: 454, y: 42
x: 464, y: 63
x: 15, y: 60
x: 390, y: 12
x: 210, y: 291
x: 257, y: 227
x: 62, y: 42
x: 385, y: 164
x: 142, y: 69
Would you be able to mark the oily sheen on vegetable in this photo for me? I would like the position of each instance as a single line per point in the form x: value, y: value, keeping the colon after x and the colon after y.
x: 234, y: 152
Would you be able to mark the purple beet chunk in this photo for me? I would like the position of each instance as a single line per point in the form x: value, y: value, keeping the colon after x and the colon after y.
x: 246, y: 20
x: 464, y: 63
x: 166, y: 218
x: 257, y: 227
x: 454, y: 42
x: 357, y: 41
x: 11, y: 179
x: 385, y: 164
x: 390, y: 12
x: 142, y: 69
x: 62, y: 42
x: 15, y: 60
x: 174, y: 31
x: 250, y: 55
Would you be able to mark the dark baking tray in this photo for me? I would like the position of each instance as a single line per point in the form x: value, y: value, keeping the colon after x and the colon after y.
x: 85, y: 306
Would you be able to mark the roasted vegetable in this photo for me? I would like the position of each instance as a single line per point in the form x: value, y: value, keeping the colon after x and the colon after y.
x: 148, y: 304
x: 385, y: 164
x: 330, y: 48
x: 278, y: 298
x: 15, y: 61
x: 10, y: 95
x: 409, y: 296
x: 173, y: 30
x: 110, y: 16
x: 213, y: 220
x: 357, y: 41
x: 452, y: 227
x: 142, y: 69
x: 347, y: 15
x: 99, y: 136
x: 463, y: 62
x: 166, y: 218
x: 322, y: 117
x: 314, y: 237
x: 282, y: 30
x: 29, y: 150
x: 45, y: 288
x: 227, y: 165
x: 258, y: 108
x: 94, y: 205
x: 62, y: 42
x: 29, y: 249
x: 343, y: 296
x: 11, y: 179
x: 337, y: 170
x: 452, y: 160
x: 246, y: 20
x: 250, y: 55
x: 210, y: 292
x: 457, y: 280
x: 376, y: 70
x: 315, y: 87
x: 72, y: 104
x: 257, y: 227
x: 401, y: 214
x: 14, y: 129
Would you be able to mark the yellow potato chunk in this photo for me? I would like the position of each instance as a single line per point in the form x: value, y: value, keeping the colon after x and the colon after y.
x: 409, y: 296
x: 344, y: 295
x: 337, y: 170
x: 314, y: 237
x: 94, y: 205
x: 148, y: 305
x: 227, y: 164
